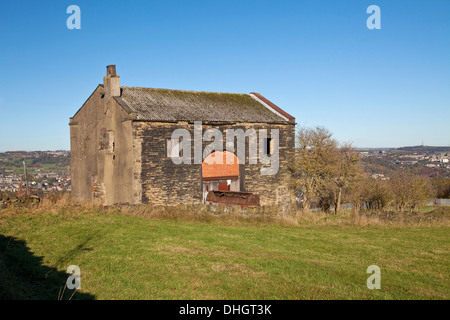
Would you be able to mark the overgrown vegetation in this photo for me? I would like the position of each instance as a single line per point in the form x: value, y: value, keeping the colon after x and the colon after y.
x: 442, y: 187
x: 330, y: 174
x: 60, y: 204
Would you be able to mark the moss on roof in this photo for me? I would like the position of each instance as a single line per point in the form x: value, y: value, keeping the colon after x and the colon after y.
x: 179, y: 105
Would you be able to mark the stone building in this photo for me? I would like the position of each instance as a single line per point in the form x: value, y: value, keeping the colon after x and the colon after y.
x: 122, y: 149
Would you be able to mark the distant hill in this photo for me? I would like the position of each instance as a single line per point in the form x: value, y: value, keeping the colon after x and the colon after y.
x: 425, y: 149
x: 35, y: 161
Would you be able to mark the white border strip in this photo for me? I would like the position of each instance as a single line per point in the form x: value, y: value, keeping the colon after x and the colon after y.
x: 268, y: 107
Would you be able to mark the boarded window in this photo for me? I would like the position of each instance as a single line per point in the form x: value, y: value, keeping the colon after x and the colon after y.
x: 173, y: 148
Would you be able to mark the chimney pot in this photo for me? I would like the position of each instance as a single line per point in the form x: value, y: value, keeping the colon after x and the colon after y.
x: 111, y: 70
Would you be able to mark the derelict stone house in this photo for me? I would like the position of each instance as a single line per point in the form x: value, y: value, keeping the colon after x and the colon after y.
x: 121, y: 146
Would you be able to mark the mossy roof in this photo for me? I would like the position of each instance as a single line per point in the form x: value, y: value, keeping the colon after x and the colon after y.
x: 180, y: 105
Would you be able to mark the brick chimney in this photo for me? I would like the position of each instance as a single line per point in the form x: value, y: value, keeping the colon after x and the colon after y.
x: 111, y: 83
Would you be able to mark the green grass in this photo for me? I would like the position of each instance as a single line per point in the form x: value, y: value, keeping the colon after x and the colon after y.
x: 131, y: 257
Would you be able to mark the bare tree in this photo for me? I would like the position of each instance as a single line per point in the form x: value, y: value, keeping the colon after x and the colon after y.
x: 346, y: 171
x: 314, y: 163
x: 377, y: 194
x: 356, y: 191
x: 410, y: 190
x: 442, y: 187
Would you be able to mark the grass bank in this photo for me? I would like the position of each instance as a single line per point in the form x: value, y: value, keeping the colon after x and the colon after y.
x: 182, y: 253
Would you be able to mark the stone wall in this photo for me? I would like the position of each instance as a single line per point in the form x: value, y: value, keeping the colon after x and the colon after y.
x: 167, y: 183
x: 84, y: 138
x: 104, y: 155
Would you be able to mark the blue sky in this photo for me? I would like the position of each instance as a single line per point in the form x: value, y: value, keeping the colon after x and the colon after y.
x: 315, y: 59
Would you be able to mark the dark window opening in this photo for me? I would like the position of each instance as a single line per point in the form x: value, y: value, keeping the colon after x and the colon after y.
x: 268, y: 146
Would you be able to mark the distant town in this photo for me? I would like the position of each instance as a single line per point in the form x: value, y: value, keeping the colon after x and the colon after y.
x: 40, y: 172
x: 433, y: 162
x: 35, y: 172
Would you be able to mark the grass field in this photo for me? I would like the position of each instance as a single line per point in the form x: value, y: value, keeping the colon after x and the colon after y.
x: 134, y: 254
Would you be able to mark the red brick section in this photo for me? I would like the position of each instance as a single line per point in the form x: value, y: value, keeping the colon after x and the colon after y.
x: 274, y: 107
x: 211, y: 170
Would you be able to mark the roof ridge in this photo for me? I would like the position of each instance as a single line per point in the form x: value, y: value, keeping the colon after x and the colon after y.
x: 181, y: 90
